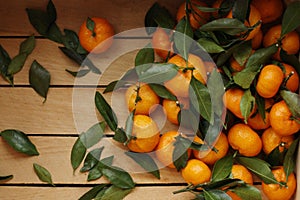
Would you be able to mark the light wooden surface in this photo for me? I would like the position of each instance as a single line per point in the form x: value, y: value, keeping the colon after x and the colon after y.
x: 53, y: 126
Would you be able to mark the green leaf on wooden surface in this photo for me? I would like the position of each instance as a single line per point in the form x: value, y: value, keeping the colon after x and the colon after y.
x: 115, y: 193
x: 92, y: 192
x: 70, y: 40
x: 289, y: 162
x: 292, y: 100
x: 158, y: 16
x: 162, y: 91
x: 95, y: 172
x: 247, y: 191
x: 39, y: 79
x: 16, y: 63
x: 291, y: 18
x: 158, y: 73
x: 247, y: 104
x: 183, y: 37
x: 222, y: 168
x: 240, y: 10
x: 27, y: 46
x: 120, y: 135
x: 91, y: 159
x: 77, y: 153
x: 106, y: 111
x: 80, y: 73
x: 145, y: 161
x: 226, y: 25
x: 210, y: 46
x: 93, y: 135
x: 39, y: 20
x: 202, y: 103
x: 19, y: 142
x: 6, y: 178
x: 110, y: 87
x: 43, y: 174
x: 51, y: 11
x: 144, y: 56
x: 259, y: 167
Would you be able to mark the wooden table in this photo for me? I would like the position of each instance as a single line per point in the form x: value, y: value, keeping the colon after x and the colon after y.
x: 52, y: 126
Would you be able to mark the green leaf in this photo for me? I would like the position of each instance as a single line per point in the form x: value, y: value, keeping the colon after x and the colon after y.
x: 290, y: 59
x: 158, y: 73
x: 225, y: 7
x: 19, y: 142
x: 146, y: 162
x: 79, y: 73
x: 226, y: 25
x: 39, y: 20
x: 118, y: 177
x: 247, y: 192
x: 91, y: 159
x: 115, y: 193
x: 70, y: 39
x: 92, y: 192
x: 106, y: 111
x: 244, y: 78
x: 292, y: 100
x: 90, y: 24
x: 54, y: 33
x: 183, y: 37
x: 180, y: 154
x: 259, y: 167
x: 222, y: 168
x: 162, y: 91
x: 260, y: 102
x: 5, y: 178
x: 43, y: 174
x: 225, y: 183
x: 243, y: 53
x: 96, y: 173
x: 51, y: 11
x: 16, y: 64
x: 215, y: 195
x: 291, y: 18
x: 289, y: 162
x: 129, y: 125
x: 202, y: 103
x: 247, y: 104
x: 144, y: 56
x: 39, y: 79
x: 93, y: 135
x: 120, y: 135
x: 110, y: 87
x: 158, y: 16
x: 275, y: 157
x: 206, y: 9
x: 210, y: 46
x: 224, y: 56
x: 240, y: 10
x: 77, y: 153
x: 27, y: 46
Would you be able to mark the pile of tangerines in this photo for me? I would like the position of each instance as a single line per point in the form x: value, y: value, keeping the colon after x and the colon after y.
x: 257, y: 134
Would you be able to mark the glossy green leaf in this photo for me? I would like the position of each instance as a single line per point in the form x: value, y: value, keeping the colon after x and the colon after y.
x: 162, y: 91
x: 95, y: 172
x: 242, y: 54
x: 215, y: 195
x: 92, y: 192
x: 158, y: 16
x: 158, y: 73
x: 4, y: 62
x: 77, y: 153
x: 6, y: 178
x: 275, y: 157
x: 106, y: 111
x: 259, y: 167
x: 43, y: 174
x: 19, y: 142
x: 146, y: 162
x: 129, y: 125
x: 188, y: 119
x: 110, y: 87
x: 118, y: 177
x: 80, y: 73
x: 247, y: 192
x: 291, y: 18
x: 247, y: 104
x: 289, y: 162
x: 292, y: 100
x: 226, y: 25
x: 93, y: 135
x: 39, y: 79
x: 90, y: 24
x: 290, y: 59
x: 260, y: 102
x: 224, y: 56
x: 16, y: 63
x: 51, y: 11
x: 144, y: 56
x: 180, y: 154
x: 210, y: 46
x: 91, y: 159
x: 240, y: 10
x: 244, y: 78
x: 221, y: 184
x: 183, y: 37
x: 70, y: 39
x: 120, y: 135
x: 27, y: 46
x: 202, y: 101
x: 39, y: 20
x: 54, y: 33
x: 115, y: 193
x: 222, y: 168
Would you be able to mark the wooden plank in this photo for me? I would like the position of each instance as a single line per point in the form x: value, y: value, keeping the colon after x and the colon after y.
x: 113, y: 63
x: 71, y: 193
x: 55, y: 156
x: 122, y: 14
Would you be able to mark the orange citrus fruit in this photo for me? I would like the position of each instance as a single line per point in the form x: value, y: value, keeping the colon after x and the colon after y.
x: 281, y: 121
x: 269, y: 81
x: 293, y: 82
x: 196, y: 17
x: 242, y: 138
x: 277, y: 192
x: 290, y: 42
x: 257, y: 40
x: 172, y: 108
x: 161, y: 43
x: 196, y: 172
x: 270, y: 140
x: 146, y: 134
x: 98, y: 40
x: 179, y: 85
x: 270, y: 10
x: 148, y: 99
x: 210, y: 156
x: 242, y: 173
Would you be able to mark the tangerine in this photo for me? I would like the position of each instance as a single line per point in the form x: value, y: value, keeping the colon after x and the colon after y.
x: 293, y: 78
x: 161, y: 43
x: 270, y: 10
x: 196, y: 172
